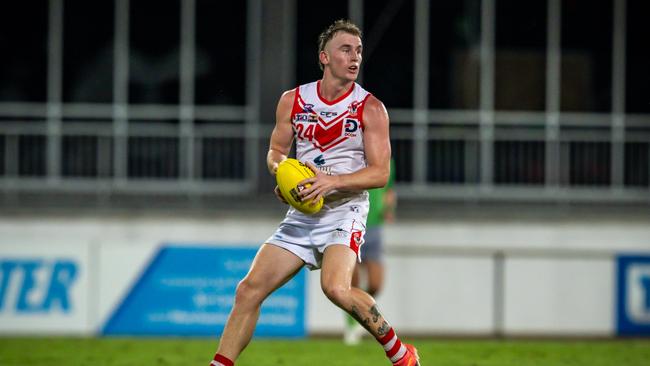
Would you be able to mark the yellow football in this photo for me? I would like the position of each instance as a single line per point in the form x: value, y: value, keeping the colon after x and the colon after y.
x: 290, y: 173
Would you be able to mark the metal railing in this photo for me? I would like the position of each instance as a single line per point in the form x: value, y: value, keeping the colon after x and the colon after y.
x: 444, y: 154
x: 585, y: 168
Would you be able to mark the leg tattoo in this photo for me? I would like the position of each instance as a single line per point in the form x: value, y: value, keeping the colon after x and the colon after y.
x: 375, y: 313
x: 376, y: 316
x: 383, y: 329
x: 356, y: 315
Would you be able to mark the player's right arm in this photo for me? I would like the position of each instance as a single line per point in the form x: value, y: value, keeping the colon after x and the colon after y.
x: 282, y: 135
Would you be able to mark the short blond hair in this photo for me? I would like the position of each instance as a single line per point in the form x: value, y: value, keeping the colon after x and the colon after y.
x: 341, y: 25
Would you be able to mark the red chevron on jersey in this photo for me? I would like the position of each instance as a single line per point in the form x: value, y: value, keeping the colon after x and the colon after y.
x: 324, y: 137
x: 328, y: 133
x: 334, y: 127
x: 309, y: 107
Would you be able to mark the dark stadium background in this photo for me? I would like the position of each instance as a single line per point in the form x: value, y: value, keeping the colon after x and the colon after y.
x: 520, y: 131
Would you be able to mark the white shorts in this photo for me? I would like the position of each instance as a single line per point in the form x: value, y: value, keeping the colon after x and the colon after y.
x: 307, y: 236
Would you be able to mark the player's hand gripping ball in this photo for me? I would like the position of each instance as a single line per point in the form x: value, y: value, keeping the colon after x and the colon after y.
x: 290, y: 172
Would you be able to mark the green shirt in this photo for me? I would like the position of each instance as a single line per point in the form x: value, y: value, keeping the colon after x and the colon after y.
x: 377, y: 208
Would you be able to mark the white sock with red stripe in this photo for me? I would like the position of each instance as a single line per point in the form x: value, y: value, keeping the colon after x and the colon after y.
x: 394, y: 348
x: 220, y: 360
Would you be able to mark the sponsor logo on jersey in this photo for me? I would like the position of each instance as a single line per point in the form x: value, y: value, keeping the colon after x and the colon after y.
x: 308, y: 108
x: 351, y: 127
x: 353, y: 107
x: 326, y: 169
x: 305, y: 117
x: 319, y: 160
x: 328, y: 114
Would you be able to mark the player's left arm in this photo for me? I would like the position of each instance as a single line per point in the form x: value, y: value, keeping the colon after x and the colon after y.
x: 376, y: 142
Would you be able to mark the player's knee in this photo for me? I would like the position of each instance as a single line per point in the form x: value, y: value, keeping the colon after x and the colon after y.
x: 336, y: 293
x: 247, y: 292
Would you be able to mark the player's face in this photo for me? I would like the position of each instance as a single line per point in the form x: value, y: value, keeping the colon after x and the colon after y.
x: 343, y: 56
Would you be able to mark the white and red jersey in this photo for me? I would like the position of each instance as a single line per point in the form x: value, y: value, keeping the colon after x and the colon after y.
x: 329, y: 134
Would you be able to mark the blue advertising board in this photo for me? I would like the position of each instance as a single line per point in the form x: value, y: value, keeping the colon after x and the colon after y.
x: 633, y: 300
x: 190, y: 291
x: 60, y: 277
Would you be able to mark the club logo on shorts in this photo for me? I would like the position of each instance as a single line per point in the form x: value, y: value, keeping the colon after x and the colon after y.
x: 340, y: 233
x: 355, y: 241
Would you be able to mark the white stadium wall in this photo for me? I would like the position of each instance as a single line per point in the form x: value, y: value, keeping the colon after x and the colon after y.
x: 562, y: 296
x: 45, y: 286
x: 69, y: 275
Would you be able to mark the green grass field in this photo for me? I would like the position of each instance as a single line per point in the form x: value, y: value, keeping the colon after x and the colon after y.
x: 170, y: 352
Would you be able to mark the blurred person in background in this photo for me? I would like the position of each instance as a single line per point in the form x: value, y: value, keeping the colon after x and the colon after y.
x: 371, y: 269
x: 342, y: 134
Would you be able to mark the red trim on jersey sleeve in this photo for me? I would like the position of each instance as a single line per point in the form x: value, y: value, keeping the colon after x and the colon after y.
x: 296, y: 105
x: 345, y: 95
x: 360, y: 111
x: 301, y: 101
